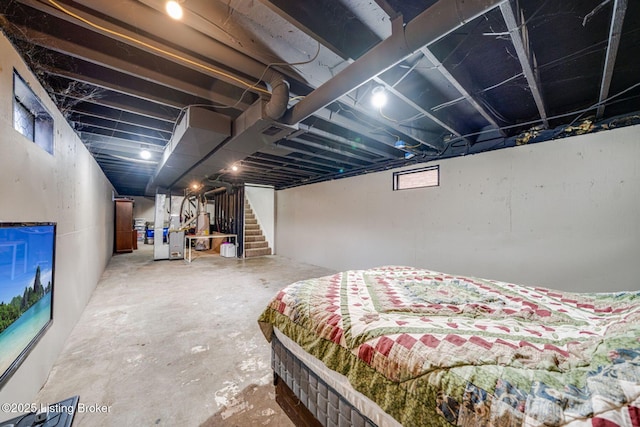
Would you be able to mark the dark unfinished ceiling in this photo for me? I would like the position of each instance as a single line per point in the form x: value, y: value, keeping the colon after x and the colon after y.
x: 281, y: 89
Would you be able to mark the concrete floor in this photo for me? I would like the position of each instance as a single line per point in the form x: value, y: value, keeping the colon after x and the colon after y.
x: 170, y: 343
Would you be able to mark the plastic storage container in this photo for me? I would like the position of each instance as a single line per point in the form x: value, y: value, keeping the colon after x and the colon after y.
x: 228, y: 250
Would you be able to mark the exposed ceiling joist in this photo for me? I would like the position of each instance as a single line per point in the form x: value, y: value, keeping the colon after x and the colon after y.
x: 270, y: 166
x: 129, y: 151
x: 129, y: 15
x: 303, y: 161
x: 461, y: 78
x: 615, y: 31
x: 129, y: 69
x: 347, y: 142
x: 97, y: 146
x: 465, y: 94
x: 355, y: 124
x: 119, y: 102
x: 524, y: 58
x: 119, y: 116
x: 85, y: 130
x: 85, y: 121
x: 340, y: 151
x: 434, y: 23
x: 277, y: 171
x: 317, y: 150
x: 122, y: 85
x: 435, y: 145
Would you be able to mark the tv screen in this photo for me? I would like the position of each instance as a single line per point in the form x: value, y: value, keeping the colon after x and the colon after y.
x: 27, y: 258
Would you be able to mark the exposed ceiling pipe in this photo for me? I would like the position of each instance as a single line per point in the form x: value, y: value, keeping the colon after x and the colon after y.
x: 209, y: 48
x: 434, y: 23
x: 216, y: 191
x: 219, y: 186
x: 275, y: 81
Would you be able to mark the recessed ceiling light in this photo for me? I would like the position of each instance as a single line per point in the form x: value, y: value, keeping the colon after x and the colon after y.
x: 174, y: 9
x: 145, y: 154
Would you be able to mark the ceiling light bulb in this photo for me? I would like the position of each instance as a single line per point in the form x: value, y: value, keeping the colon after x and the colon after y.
x: 378, y: 97
x: 234, y: 168
x: 145, y: 154
x: 174, y: 9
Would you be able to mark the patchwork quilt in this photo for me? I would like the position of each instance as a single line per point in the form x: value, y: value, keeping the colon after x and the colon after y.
x: 435, y: 349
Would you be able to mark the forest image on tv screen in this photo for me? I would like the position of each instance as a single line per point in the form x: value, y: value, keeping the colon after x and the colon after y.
x: 26, y: 289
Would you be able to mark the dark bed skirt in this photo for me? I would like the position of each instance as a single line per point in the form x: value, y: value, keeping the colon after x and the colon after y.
x: 306, y: 398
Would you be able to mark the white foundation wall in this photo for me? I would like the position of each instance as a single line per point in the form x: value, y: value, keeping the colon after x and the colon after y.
x: 563, y: 214
x: 143, y: 207
x: 68, y: 188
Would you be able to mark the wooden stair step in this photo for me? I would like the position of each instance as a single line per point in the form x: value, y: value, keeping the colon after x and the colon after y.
x: 256, y: 245
x: 248, y: 253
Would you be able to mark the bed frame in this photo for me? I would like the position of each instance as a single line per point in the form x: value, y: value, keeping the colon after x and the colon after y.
x: 307, y: 399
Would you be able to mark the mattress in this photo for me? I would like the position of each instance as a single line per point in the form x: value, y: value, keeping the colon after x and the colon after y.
x: 315, y: 397
x: 436, y: 349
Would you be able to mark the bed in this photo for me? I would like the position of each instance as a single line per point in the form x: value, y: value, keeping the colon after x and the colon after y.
x: 398, y: 345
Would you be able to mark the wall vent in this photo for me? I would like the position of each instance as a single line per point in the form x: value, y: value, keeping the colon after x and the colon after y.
x: 272, y: 130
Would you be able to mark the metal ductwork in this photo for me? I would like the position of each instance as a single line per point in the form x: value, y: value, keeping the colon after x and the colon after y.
x: 431, y: 25
x: 197, y: 148
x: 253, y: 130
x: 266, y: 122
x: 197, y: 134
x: 279, y: 87
x: 200, y: 146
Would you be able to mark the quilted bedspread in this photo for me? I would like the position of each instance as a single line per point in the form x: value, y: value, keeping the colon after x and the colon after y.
x: 437, y: 349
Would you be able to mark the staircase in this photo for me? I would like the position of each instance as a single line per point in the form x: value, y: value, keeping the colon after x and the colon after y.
x: 255, y: 244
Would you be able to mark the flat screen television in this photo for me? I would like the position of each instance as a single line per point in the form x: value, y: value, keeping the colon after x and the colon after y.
x: 27, y: 260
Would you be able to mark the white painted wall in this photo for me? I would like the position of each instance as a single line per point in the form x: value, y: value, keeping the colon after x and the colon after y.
x: 68, y: 188
x: 563, y: 214
x: 262, y: 200
x: 143, y: 207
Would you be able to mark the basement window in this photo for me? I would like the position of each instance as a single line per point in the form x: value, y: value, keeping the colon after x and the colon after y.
x: 30, y: 117
x: 417, y: 178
